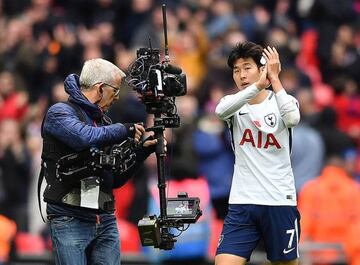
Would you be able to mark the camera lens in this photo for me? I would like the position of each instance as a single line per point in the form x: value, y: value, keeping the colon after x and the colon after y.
x: 175, y: 85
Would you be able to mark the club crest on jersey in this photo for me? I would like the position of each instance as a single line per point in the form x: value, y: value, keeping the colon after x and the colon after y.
x: 270, y: 119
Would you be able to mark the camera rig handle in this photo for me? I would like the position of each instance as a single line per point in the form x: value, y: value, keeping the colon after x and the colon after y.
x: 166, y: 240
x: 158, y: 130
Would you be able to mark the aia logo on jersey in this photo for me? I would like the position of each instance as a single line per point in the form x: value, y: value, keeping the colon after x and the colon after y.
x: 258, y: 141
x: 270, y: 119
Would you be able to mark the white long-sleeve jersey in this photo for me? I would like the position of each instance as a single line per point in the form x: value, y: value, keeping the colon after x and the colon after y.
x: 261, y: 135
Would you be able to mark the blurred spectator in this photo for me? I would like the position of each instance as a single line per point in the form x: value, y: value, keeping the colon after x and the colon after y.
x: 327, y: 16
x: 7, y: 233
x: 262, y: 17
x: 220, y: 48
x: 17, y: 49
x: 279, y: 38
x: 15, y: 173
x: 352, y: 243
x: 347, y: 106
x: 216, y: 160
x: 132, y: 15
x: 124, y: 57
x: 247, y: 22
x: 34, y: 146
x: 329, y: 207
x: 151, y: 28
x: 308, y: 153
x: 222, y: 18
x: 336, y: 142
x: 294, y: 80
x: 58, y: 93
x: 344, y: 56
x: 47, y: 76
x: 308, y: 108
x: 14, y: 7
x: 13, y: 104
x: 307, y: 59
x: 190, y: 47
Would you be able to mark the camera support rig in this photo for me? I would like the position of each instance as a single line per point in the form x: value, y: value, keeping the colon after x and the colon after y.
x: 158, y: 84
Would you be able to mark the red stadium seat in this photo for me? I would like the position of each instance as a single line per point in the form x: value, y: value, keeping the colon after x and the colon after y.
x: 27, y: 243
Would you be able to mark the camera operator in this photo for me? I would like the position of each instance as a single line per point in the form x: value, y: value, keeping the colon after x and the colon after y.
x: 80, y: 208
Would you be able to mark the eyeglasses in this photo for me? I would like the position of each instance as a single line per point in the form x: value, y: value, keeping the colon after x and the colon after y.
x: 116, y: 89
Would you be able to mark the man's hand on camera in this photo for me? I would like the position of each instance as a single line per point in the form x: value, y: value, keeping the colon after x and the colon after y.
x: 150, y: 141
x: 139, y: 130
x: 135, y: 131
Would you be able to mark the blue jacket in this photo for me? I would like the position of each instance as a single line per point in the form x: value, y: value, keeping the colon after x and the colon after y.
x: 63, y: 123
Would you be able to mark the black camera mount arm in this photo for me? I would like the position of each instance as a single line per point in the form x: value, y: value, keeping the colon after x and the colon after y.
x: 166, y: 238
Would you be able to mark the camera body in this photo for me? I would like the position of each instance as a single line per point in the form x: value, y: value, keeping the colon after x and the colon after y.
x: 162, y: 79
x: 157, y: 84
x: 182, y: 210
x: 119, y: 158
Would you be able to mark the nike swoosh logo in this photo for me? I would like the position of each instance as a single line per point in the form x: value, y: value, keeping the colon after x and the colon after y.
x: 286, y: 251
x: 242, y: 113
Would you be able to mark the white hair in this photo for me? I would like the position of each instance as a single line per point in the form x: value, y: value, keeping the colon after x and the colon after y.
x: 99, y: 70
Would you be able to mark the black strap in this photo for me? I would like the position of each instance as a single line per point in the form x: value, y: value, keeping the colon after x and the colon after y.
x: 81, y: 116
x: 40, y: 180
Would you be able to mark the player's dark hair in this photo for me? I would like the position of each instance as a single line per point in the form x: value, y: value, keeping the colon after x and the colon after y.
x: 244, y: 50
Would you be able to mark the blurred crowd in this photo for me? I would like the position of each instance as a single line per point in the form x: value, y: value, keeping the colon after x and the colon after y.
x: 42, y: 41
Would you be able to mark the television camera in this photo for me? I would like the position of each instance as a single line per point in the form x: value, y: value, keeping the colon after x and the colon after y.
x: 158, y: 84
x: 119, y: 158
